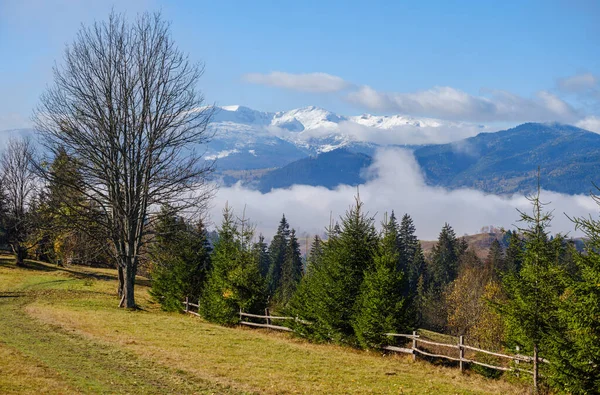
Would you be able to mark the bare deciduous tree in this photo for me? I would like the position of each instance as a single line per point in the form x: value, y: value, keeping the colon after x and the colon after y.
x: 19, y: 186
x: 125, y: 106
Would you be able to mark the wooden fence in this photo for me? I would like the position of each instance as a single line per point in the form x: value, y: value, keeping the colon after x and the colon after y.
x: 460, y: 348
x: 268, y: 318
x: 187, y: 305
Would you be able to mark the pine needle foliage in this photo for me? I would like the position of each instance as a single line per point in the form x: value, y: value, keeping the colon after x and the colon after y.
x: 277, y: 250
x: 575, y: 352
x: 380, y: 305
x: 533, y: 292
x: 291, y: 271
x: 328, y: 295
x: 179, y: 260
x: 235, y: 282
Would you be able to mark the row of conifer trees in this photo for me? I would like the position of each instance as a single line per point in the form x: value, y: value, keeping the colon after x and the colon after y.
x: 533, y: 290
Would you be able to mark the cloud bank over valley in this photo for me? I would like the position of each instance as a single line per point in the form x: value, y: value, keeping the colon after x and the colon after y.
x: 396, y: 184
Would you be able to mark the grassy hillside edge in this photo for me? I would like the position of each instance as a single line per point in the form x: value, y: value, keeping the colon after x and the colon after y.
x: 60, y: 332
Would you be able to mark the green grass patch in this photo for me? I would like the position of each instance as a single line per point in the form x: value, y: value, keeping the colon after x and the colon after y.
x: 66, y: 321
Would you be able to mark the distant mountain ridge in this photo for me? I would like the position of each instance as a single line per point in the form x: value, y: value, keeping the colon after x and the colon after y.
x: 249, y: 139
x: 504, y: 162
x: 328, y: 169
x: 267, y: 146
x: 507, y: 161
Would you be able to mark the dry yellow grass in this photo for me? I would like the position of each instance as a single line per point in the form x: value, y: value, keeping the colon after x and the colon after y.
x: 226, y: 359
x: 20, y: 374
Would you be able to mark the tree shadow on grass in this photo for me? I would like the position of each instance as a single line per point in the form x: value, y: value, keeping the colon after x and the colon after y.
x: 8, y: 262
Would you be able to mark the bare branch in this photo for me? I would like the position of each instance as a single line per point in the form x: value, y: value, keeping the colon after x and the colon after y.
x: 125, y: 106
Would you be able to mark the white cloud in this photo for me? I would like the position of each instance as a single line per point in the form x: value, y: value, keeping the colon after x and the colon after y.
x: 578, y: 83
x: 450, y: 103
x: 400, y: 186
x: 308, y: 82
x: 398, y: 135
x: 591, y: 123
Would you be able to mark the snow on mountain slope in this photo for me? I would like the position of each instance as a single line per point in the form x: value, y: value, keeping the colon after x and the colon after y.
x: 242, y: 115
x: 310, y: 130
x: 394, y: 121
x: 310, y: 117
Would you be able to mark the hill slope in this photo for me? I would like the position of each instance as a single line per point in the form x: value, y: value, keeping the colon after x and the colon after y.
x: 62, y: 333
x: 507, y: 161
x: 328, y: 169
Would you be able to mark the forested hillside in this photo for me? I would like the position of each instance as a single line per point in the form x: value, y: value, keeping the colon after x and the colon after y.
x: 507, y: 161
x: 328, y: 169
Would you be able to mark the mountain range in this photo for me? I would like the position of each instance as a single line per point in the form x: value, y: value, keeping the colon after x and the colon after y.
x: 313, y: 146
x: 246, y: 139
x: 316, y: 147
x: 568, y: 159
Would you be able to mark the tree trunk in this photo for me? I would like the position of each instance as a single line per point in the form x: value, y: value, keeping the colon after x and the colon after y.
x: 121, y: 281
x: 20, y: 254
x: 127, y: 297
x: 535, y: 369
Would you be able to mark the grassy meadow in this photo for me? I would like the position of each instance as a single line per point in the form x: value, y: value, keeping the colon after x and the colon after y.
x: 61, y: 332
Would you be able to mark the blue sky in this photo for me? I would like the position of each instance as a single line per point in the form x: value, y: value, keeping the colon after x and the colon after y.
x: 478, y: 61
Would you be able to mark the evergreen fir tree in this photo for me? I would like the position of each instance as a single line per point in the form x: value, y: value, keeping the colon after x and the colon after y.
x: 390, y: 226
x: 315, y: 255
x: 444, y: 259
x: 564, y: 255
x: 380, y: 304
x: 180, y: 261
x: 514, y: 254
x: 262, y: 254
x: 408, y: 247
x: 442, y: 269
x: 462, y: 246
x: 494, y: 263
x: 575, y: 347
x: 532, y: 293
x: 327, y: 296
x: 277, y: 255
x: 412, y: 263
x: 291, y: 271
x: 234, y: 282
x: 416, y: 269
x: 415, y: 308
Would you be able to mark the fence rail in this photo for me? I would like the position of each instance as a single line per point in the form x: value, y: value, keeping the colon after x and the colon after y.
x: 461, y: 359
x: 268, y: 318
x: 413, y: 350
x: 187, y: 305
x: 277, y: 327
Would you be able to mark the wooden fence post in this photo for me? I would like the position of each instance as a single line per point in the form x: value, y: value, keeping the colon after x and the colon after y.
x: 461, y: 353
x: 268, y: 316
x: 517, y: 361
x: 187, y: 304
x: 240, y: 314
x: 535, y: 369
x: 414, y: 345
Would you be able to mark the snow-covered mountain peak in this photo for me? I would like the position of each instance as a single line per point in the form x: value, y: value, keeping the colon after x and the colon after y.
x: 394, y: 121
x: 239, y: 130
x: 310, y: 117
x: 231, y: 108
x: 242, y: 115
